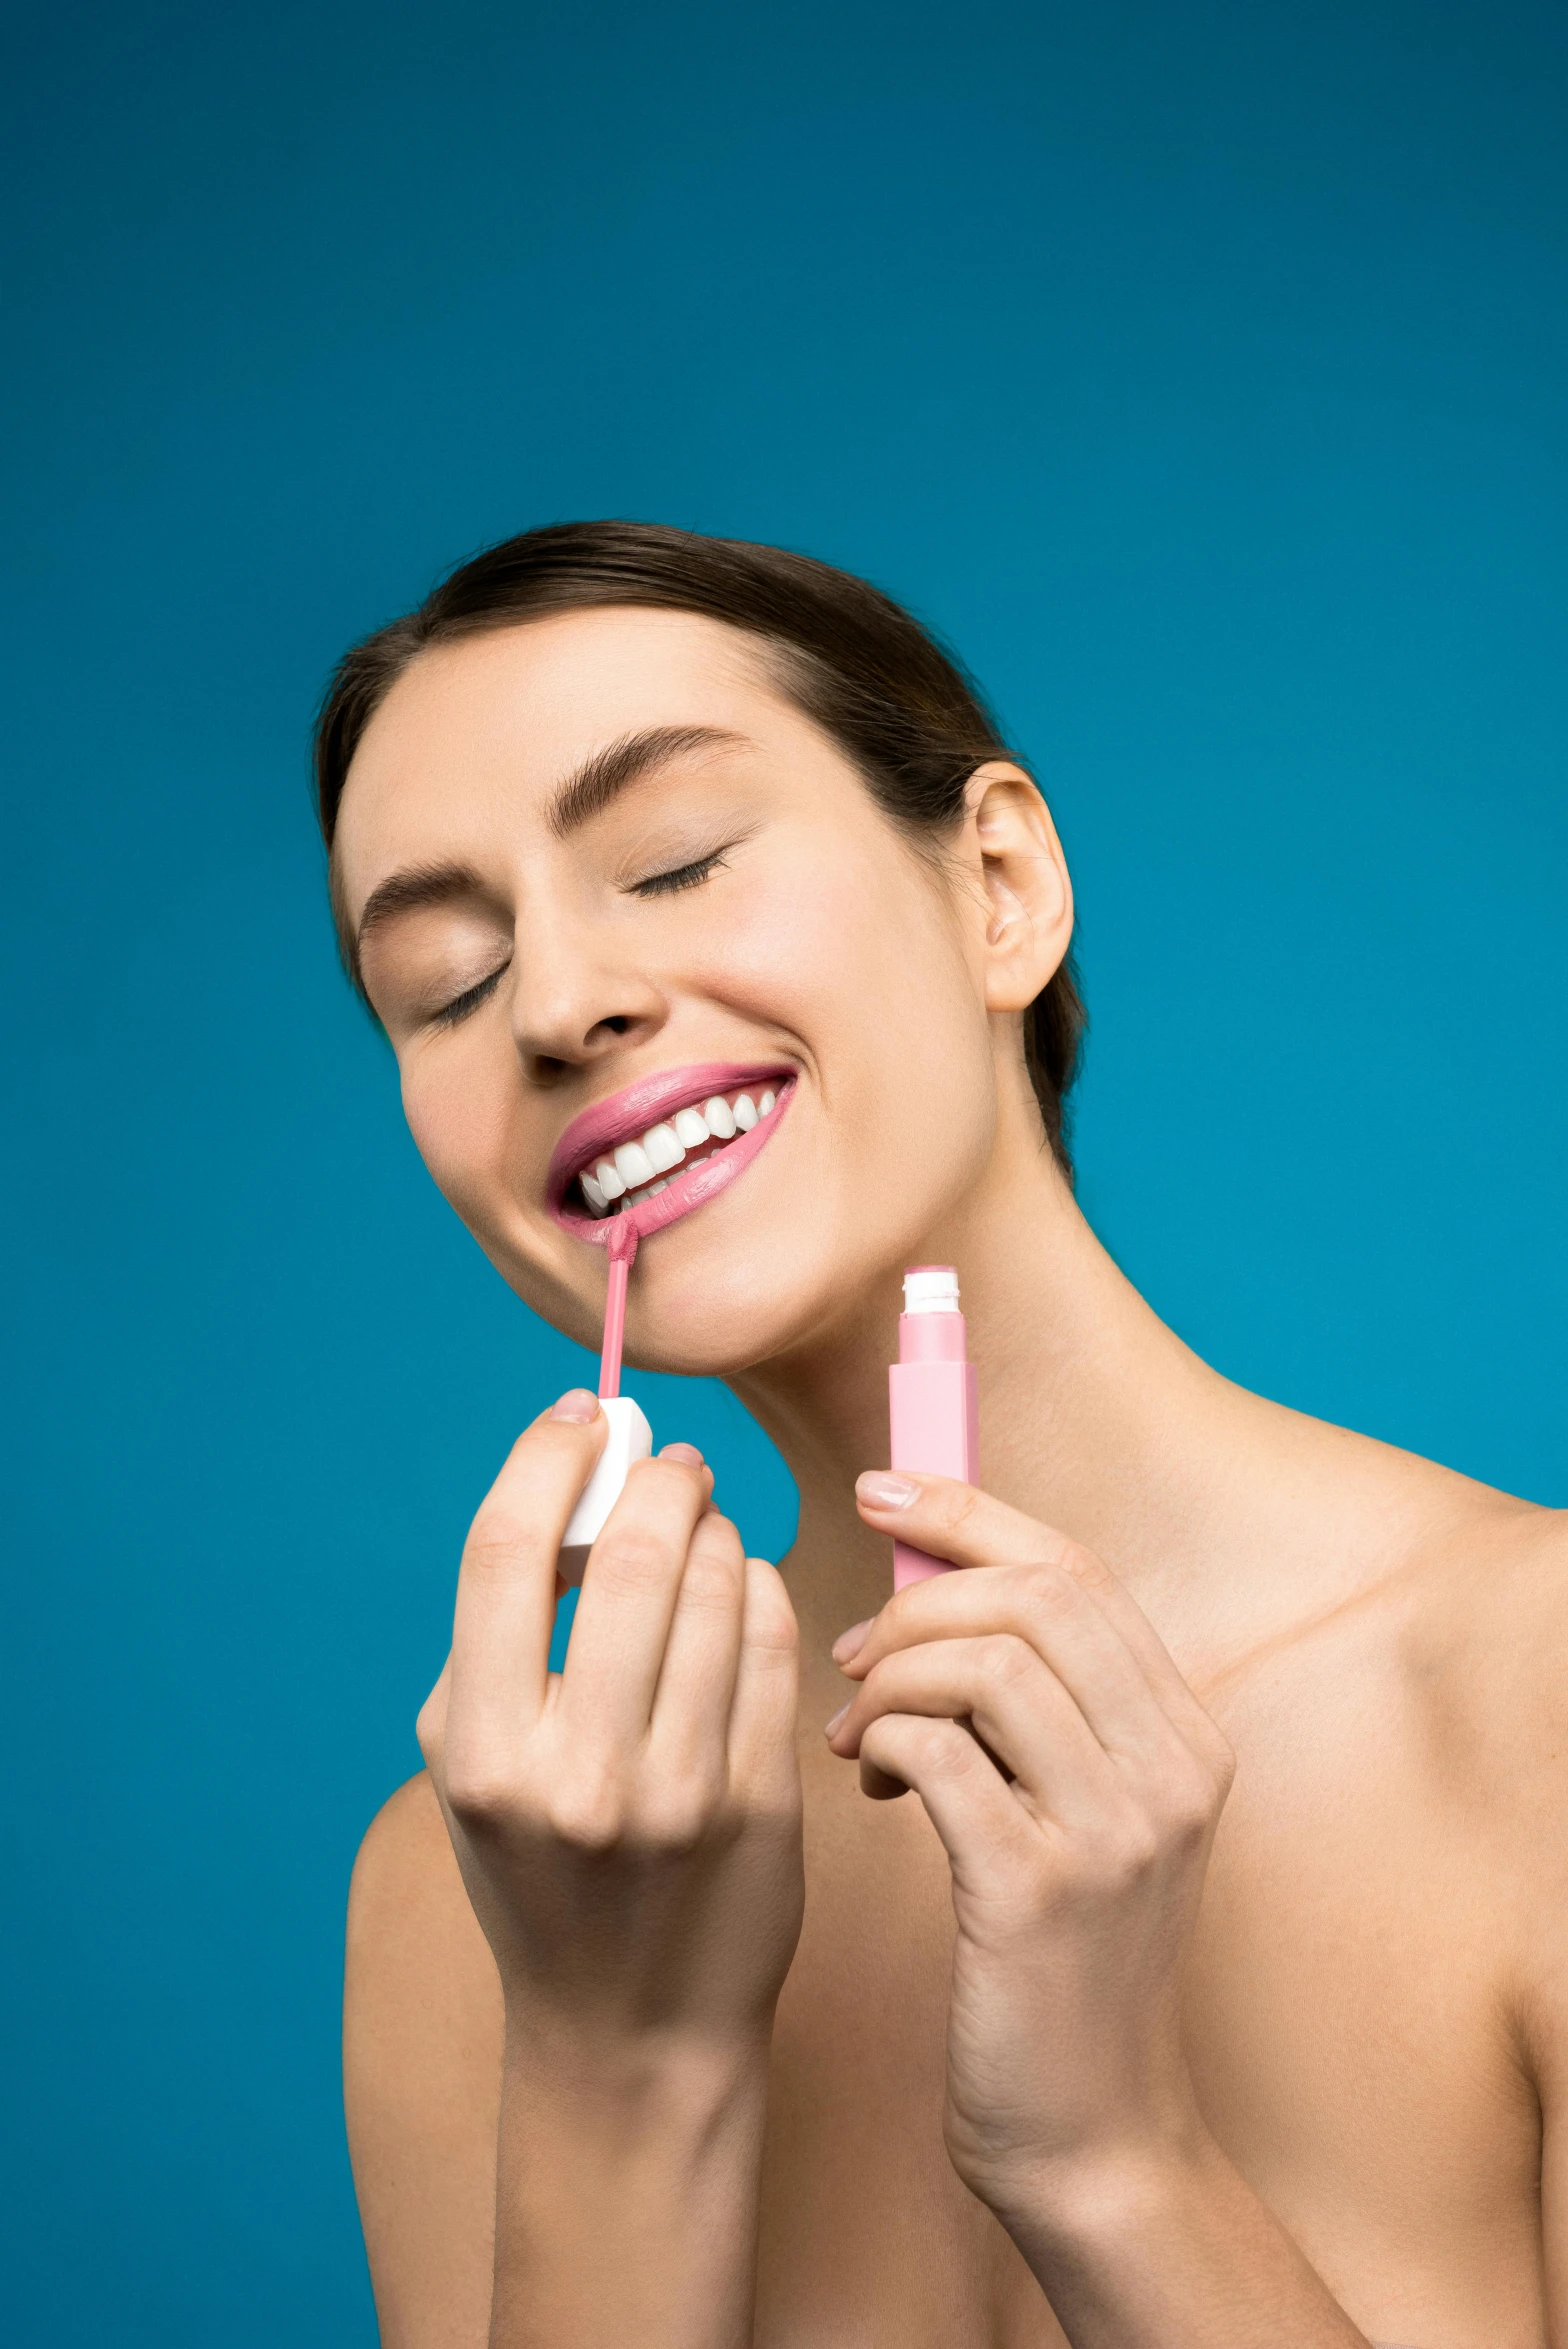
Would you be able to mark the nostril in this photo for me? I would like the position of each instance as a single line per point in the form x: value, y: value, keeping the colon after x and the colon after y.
x: 559, y: 1039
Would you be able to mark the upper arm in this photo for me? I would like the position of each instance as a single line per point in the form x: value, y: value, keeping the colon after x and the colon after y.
x: 1547, y: 2044
x: 1527, y: 1671
x: 1546, y: 2038
x: 422, y: 2048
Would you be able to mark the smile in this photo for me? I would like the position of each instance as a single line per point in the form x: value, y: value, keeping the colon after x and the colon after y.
x: 666, y: 1145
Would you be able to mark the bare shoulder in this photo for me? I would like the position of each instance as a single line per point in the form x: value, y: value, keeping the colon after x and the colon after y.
x: 1485, y: 1663
x: 1489, y: 1647
x: 422, y: 2042
x: 407, y: 1906
x: 1504, y: 1673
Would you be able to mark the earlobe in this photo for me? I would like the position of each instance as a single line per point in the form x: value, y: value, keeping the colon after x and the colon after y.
x: 1028, y: 894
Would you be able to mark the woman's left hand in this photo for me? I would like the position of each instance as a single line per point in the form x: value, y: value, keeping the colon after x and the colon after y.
x: 1076, y: 1782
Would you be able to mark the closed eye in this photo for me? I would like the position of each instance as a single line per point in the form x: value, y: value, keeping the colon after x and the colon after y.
x: 679, y: 877
x: 470, y: 1000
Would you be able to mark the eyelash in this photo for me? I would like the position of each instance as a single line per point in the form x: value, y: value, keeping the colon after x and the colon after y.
x: 470, y: 1000
x: 680, y: 877
x: 689, y: 876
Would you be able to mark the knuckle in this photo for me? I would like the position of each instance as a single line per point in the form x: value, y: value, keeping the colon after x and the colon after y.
x: 710, y: 1583
x: 1194, y: 1799
x: 479, y: 1790
x: 587, y: 1812
x: 889, y: 1625
x: 1049, y: 1593
x: 680, y: 1476
x: 770, y: 1625
x: 1080, y: 1566
x: 880, y: 1685
x: 497, y: 1539
x: 719, y: 1536
x: 632, y: 1557
x: 961, y: 1504
x: 682, y: 1814
x: 912, y: 1740
x: 944, y: 1749
x: 1003, y: 1659
x: 1190, y: 1814
x: 1129, y: 1853
x: 879, y: 1737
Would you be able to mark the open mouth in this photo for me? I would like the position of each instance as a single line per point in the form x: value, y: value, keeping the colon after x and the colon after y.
x: 665, y: 1146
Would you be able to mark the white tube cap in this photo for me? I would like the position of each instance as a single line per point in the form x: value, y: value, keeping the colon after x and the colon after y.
x: 630, y: 1438
x: 931, y: 1288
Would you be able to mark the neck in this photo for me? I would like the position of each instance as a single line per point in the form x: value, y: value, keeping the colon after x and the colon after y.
x: 1094, y: 1417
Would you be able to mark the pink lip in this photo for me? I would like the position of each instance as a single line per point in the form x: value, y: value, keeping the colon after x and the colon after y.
x: 627, y: 1114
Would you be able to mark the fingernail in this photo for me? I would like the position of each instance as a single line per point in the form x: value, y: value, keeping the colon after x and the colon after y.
x: 830, y: 1726
x: 576, y: 1404
x: 849, y: 1643
x: 687, y: 1454
x: 883, y: 1491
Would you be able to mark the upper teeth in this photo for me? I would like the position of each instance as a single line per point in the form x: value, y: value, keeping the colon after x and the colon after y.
x: 640, y: 1165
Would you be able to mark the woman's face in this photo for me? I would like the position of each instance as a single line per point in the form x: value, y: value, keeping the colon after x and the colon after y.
x: 602, y: 873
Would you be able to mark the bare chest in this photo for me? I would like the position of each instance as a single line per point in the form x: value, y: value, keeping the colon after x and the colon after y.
x: 867, y: 2234
x: 1343, y: 2038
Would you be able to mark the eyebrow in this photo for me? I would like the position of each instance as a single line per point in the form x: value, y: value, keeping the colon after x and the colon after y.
x: 605, y: 775
x: 581, y: 796
x: 415, y: 886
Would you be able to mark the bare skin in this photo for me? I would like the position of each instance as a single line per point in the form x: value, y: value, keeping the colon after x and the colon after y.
x: 1235, y: 2009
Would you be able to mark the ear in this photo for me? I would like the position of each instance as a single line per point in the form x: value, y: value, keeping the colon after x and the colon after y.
x: 1028, y: 895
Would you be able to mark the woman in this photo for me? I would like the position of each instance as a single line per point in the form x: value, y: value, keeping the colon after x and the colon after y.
x: 1212, y: 1990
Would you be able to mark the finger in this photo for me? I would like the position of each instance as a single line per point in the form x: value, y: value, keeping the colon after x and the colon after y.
x: 1049, y: 1607
x: 985, y: 1831
x: 691, y: 1705
x: 958, y: 1522
x: 1018, y: 1707
x: 763, y: 1761
x: 623, y: 1618
x: 505, y: 1608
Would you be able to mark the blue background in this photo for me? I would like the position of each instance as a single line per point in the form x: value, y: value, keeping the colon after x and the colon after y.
x: 1198, y: 369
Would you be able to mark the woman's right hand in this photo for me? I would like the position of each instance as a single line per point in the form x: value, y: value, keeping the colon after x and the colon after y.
x: 629, y: 1829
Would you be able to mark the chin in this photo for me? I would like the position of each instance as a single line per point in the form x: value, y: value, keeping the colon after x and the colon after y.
x: 715, y: 1311
x: 749, y: 1277
x: 742, y: 1283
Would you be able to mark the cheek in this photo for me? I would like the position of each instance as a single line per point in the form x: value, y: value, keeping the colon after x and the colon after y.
x: 858, y: 954
x: 460, y: 1113
x: 832, y: 931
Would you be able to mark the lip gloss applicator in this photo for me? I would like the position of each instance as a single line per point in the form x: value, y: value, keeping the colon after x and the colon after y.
x: 630, y: 1437
x: 933, y: 1402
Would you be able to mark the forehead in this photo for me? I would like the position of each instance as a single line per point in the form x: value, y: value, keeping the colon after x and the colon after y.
x: 475, y: 735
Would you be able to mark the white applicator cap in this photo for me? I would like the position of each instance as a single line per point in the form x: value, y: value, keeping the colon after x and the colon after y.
x: 630, y: 1439
x: 931, y: 1288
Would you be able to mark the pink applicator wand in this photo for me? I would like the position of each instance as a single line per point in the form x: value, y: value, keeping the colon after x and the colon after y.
x: 630, y: 1437
x: 933, y: 1403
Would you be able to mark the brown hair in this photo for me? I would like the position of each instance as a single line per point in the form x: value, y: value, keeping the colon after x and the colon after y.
x: 903, y: 710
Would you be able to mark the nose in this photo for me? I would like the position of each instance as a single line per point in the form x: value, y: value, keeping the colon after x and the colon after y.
x: 571, y: 1007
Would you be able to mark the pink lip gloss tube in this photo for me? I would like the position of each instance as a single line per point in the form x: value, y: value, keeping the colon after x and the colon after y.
x: 932, y: 1400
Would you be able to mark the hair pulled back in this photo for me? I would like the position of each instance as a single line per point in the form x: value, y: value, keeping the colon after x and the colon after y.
x: 901, y: 709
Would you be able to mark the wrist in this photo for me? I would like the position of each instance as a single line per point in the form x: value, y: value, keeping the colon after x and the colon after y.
x: 627, y: 2186
x: 1091, y: 2204
x: 626, y: 2087
x: 1166, y: 2241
